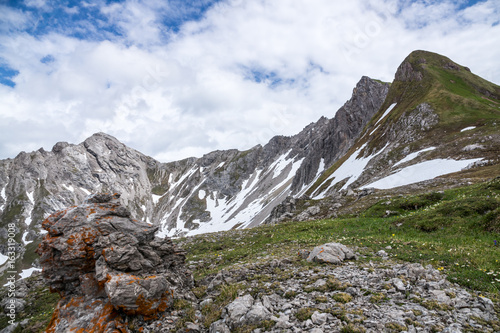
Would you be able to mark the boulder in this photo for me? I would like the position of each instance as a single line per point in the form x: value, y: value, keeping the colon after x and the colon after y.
x: 332, y: 253
x: 106, y: 266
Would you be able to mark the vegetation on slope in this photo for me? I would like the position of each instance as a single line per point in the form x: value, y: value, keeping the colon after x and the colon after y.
x: 453, y: 230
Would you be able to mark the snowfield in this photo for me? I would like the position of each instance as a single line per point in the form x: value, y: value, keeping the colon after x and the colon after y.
x: 421, y: 171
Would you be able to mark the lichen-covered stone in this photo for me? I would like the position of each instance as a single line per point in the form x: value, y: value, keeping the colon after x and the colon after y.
x: 107, y: 266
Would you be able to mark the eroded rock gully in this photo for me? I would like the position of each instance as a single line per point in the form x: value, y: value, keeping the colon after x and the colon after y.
x: 108, y: 268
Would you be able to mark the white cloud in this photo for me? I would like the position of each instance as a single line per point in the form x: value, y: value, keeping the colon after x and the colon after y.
x: 173, y: 95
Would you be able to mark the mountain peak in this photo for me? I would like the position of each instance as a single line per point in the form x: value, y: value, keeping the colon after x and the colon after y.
x: 101, y: 136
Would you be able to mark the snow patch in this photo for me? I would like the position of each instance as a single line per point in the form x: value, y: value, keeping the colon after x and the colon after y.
x: 422, y: 171
x: 3, y: 259
x: 143, y: 207
x: 373, y: 130
x: 69, y: 188
x: 24, y: 238
x: 352, y: 169
x: 468, y: 128
x: 305, y: 187
x: 280, y: 164
x: 29, y: 208
x: 156, y: 198
x: 389, y: 109
x: 87, y: 192
x: 186, y: 175
x: 26, y: 273
x: 220, y: 164
x: 201, y: 194
x: 30, y: 197
x: 4, y: 197
x: 240, y: 210
x: 411, y: 156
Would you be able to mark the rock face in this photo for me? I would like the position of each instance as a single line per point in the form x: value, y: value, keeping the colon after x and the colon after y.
x: 107, y: 266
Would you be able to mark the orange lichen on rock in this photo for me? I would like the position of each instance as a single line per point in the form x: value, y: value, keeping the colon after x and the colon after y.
x: 88, y: 262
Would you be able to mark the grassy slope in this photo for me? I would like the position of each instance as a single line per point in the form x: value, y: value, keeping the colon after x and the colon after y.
x: 460, y: 98
x: 454, y: 231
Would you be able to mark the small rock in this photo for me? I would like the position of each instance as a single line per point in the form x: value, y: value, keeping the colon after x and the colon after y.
x: 440, y: 296
x: 257, y: 314
x: 319, y: 283
x: 235, y: 311
x: 308, y: 323
x: 316, y: 330
x: 382, y: 254
x: 319, y: 318
x: 191, y: 328
x: 453, y: 328
x: 398, y: 284
x: 313, y: 210
x: 219, y: 327
x: 304, y: 254
x: 206, y: 302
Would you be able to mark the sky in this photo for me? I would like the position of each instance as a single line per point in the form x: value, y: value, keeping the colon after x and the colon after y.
x: 178, y: 78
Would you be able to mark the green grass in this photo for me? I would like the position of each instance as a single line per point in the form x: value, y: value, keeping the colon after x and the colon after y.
x: 461, y: 244
x: 40, y: 305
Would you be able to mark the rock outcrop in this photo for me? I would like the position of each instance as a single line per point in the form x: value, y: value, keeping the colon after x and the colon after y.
x: 107, y: 267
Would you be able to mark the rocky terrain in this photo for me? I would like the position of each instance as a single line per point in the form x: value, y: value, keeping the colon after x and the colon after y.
x: 284, y: 296
x: 112, y: 274
x: 346, y: 293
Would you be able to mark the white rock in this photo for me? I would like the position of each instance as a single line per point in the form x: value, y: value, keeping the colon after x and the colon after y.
x: 319, y: 318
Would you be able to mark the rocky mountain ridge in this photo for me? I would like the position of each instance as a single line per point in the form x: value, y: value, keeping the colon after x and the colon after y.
x: 384, y: 134
x: 225, y: 188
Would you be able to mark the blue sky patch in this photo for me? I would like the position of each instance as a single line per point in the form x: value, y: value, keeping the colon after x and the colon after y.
x: 6, y: 76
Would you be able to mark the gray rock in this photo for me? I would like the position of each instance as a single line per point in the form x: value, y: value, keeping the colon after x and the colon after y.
x: 333, y: 253
x: 283, y: 322
x: 304, y: 253
x: 313, y: 210
x: 453, y: 328
x: 440, y: 296
x: 191, y: 328
x: 257, y: 314
x: 382, y: 253
x: 219, y: 327
x: 235, y: 312
x: 398, y: 284
x: 8, y: 303
x: 319, y: 318
x: 206, y: 302
x: 10, y: 328
x: 316, y: 330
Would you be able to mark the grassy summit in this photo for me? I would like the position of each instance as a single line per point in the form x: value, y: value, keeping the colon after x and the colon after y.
x: 458, y: 96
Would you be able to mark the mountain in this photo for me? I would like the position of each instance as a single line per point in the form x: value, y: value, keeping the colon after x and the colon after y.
x: 436, y: 118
